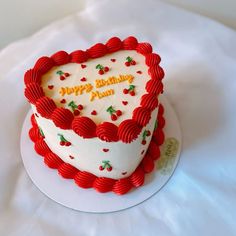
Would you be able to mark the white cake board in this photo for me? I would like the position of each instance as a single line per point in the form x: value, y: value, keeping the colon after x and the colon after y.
x: 67, y: 193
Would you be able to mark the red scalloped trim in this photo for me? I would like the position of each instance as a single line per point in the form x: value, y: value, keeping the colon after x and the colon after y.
x: 107, y: 132
x: 102, y: 184
x: 64, y: 118
x: 33, y: 120
x: 45, y: 106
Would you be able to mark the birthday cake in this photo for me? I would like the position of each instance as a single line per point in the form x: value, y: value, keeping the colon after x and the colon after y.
x: 96, y: 115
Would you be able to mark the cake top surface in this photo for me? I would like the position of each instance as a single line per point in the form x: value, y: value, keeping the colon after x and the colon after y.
x: 103, y: 89
x: 107, y: 91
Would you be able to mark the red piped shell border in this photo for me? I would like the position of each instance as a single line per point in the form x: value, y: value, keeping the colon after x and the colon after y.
x: 102, y: 184
x: 64, y: 119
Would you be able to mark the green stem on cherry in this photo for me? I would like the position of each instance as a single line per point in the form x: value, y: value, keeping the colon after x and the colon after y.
x: 111, y: 110
x: 59, y: 72
x: 100, y: 67
x: 62, y: 139
x: 73, y: 105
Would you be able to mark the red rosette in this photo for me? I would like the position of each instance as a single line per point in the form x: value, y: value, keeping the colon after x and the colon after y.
x: 161, y: 122
x: 61, y: 58
x: 33, y: 121
x: 160, y: 110
x: 44, y: 64
x: 122, y: 186
x: 45, y: 106
x: 154, y: 86
x: 84, y: 179
x: 154, y: 151
x: 107, y: 132
x: 114, y: 44
x: 156, y: 72
x: 130, y: 43
x: 144, y: 48
x: 147, y: 164
x: 152, y: 59
x: 158, y: 136
x: 84, y: 127
x: 79, y: 56
x: 62, y: 118
x: 41, y: 147
x: 128, y: 130
x: 149, y: 101
x: 52, y: 160
x: 98, y: 50
x: 33, y: 92
x: 67, y: 171
x: 138, y: 177
x: 141, y: 115
x: 32, y: 76
x: 103, y: 184
x: 34, y: 134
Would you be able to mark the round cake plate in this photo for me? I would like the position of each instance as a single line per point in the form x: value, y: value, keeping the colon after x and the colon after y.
x: 67, y: 193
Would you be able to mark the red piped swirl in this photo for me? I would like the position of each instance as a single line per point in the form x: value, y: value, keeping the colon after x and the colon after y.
x: 61, y: 58
x: 34, y: 134
x: 141, y: 115
x: 137, y: 178
x: 41, y: 147
x: 84, y: 127
x: 128, y: 131
x: 45, y: 106
x: 130, y: 43
x: 147, y: 163
x: 44, y: 64
x: 62, y: 118
x: 103, y: 184
x: 149, y: 101
x: 154, y: 86
x: 33, y: 92
x: 98, y: 50
x: 79, y: 56
x: 152, y: 59
x: 32, y: 76
x: 154, y: 150
x: 107, y: 132
x: 122, y: 186
x: 84, y: 179
x: 160, y: 110
x: 114, y: 44
x: 67, y: 171
x: 158, y: 136
x: 156, y: 72
x: 161, y: 121
x: 33, y: 121
x: 52, y: 160
x: 144, y: 48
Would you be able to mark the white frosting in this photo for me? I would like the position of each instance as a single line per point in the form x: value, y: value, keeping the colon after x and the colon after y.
x: 88, y: 154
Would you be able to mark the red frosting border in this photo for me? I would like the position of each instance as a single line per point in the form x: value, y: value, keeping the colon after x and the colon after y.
x: 127, y: 130
x: 102, y: 184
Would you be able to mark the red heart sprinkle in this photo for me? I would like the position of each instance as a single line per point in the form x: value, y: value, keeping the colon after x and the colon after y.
x: 50, y: 86
x: 83, y: 66
x: 125, y: 102
x: 113, y: 60
x: 105, y: 149
x: 124, y: 173
x: 94, y: 113
x: 63, y: 101
x: 71, y: 157
x: 83, y: 79
x: 139, y: 72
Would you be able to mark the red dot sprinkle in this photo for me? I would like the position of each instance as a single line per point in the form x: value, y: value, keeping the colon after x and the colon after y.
x: 83, y: 66
x: 71, y: 157
x: 113, y: 60
x: 105, y: 149
x: 50, y: 86
x: 139, y: 72
x: 63, y: 101
x: 94, y: 113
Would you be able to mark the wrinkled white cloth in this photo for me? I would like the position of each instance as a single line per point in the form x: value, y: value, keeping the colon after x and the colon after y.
x: 199, y: 57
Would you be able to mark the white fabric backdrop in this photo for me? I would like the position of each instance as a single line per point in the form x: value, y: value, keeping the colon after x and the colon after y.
x: 199, y: 57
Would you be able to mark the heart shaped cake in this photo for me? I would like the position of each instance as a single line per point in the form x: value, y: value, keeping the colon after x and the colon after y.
x: 96, y: 116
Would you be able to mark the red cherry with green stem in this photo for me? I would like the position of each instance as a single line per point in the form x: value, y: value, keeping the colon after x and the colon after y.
x: 133, y: 62
x: 118, y: 112
x: 106, y: 68
x: 113, y: 117
x: 62, y: 77
x: 127, y: 63
x: 67, y: 74
x: 68, y: 144
x: 80, y: 107
x: 101, y: 168
x: 101, y: 72
x: 125, y: 91
x: 132, y: 93
x: 109, y: 168
x: 144, y: 142
x: 76, y: 112
x: 62, y: 143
